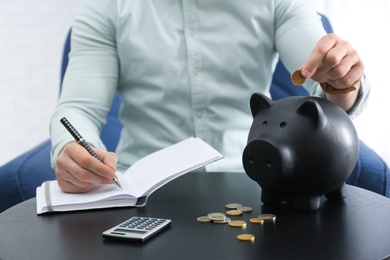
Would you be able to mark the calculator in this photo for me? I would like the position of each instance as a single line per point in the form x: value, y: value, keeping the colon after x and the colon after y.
x: 137, y: 228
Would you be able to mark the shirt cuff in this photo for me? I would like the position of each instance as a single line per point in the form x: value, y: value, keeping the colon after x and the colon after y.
x: 361, y: 102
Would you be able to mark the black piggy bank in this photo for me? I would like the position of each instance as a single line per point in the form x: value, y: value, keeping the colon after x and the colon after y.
x: 299, y: 149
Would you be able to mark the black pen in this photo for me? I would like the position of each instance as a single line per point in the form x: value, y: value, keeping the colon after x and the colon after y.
x: 80, y: 140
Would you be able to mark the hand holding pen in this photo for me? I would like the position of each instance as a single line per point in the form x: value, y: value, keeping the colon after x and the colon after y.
x: 76, y: 172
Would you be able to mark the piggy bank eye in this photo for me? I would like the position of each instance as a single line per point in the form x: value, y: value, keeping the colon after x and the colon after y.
x: 283, y: 125
x: 265, y: 123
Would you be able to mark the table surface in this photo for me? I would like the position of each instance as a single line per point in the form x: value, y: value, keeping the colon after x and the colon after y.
x: 356, y: 228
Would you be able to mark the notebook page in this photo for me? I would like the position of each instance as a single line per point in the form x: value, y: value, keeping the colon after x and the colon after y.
x: 97, y: 193
x: 156, y: 169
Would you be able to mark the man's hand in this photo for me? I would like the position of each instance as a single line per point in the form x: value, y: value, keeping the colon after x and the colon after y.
x: 335, y: 62
x: 77, y: 171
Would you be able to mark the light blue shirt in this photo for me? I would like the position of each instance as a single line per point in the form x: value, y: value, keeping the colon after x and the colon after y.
x: 182, y: 68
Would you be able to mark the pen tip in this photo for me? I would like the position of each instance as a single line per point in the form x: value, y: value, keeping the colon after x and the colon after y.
x: 115, y: 180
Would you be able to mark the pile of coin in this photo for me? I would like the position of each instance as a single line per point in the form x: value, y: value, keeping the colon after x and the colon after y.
x: 235, y: 210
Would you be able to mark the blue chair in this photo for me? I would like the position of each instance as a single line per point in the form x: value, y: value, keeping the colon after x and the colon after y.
x: 20, y: 177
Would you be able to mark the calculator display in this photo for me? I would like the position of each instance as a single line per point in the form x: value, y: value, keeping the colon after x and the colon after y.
x: 129, y: 231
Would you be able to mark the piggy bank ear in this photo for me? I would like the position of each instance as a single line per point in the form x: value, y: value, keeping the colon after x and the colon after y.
x: 259, y: 102
x: 313, y: 111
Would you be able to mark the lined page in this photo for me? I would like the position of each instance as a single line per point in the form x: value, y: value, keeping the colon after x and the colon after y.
x: 156, y: 169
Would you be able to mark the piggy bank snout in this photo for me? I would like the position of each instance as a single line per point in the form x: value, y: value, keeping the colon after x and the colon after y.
x: 262, y: 161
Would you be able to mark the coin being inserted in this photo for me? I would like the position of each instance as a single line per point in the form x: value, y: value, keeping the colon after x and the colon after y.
x: 297, y: 79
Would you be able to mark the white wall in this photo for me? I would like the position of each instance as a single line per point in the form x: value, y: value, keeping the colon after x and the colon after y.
x: 32, y: 34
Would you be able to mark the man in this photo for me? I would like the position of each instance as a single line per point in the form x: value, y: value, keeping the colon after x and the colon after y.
x: 187, y: 68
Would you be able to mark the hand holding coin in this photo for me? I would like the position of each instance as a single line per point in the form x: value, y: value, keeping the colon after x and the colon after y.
x: 337, y: 67
x: 297, y: 79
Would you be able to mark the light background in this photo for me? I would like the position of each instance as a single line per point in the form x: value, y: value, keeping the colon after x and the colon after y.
x: 32, y: 34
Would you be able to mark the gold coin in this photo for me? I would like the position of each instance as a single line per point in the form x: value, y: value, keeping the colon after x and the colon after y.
x: 233, y: 205
x: 245, y: 209
x: 203, y: 219
x: 246, y: 237
x: 256, y: 220
x: 297, y: 79
x: 237, y: 223
x: 234, y: 212
x: 268, y: 217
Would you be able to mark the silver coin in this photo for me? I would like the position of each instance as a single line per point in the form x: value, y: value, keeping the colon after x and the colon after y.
x: 233, y: 205
x: 203, y: 219
x: 245, y: 209
x: 217, y: 216
x: 268, y: 217
x: 227, y: 220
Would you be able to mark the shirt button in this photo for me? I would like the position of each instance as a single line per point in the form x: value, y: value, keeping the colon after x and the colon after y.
x: 191, y: 32
x: 200, y: 114
x: 194, y: 72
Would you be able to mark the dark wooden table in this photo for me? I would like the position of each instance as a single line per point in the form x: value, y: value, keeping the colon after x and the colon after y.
x: 357, y: 228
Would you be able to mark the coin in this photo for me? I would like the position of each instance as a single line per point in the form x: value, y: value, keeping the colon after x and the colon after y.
x: 218, y: 218
x: 297, y: 79
x: 226, y: 220
x: 256, y: 220
x: 233, y: 205
x: 245, y: 209
x: 203, y: 219
x: 210, y: 215
x: 246, y: 237
x: 234, y: 212
x: 237, y: 223
x: 268, y: 217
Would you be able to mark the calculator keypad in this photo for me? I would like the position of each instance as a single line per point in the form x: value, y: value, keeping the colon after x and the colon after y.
x: 142, y: 223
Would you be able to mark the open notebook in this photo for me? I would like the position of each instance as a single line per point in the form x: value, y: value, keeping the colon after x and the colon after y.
x: 138, y: 182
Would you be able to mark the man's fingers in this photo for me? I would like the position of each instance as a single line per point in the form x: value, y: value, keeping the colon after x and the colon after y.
x: 316, y: 58
x: 78, y: 171
x: 91, y: 165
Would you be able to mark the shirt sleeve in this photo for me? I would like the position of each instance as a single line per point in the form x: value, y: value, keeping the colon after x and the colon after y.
x: 91, y: 78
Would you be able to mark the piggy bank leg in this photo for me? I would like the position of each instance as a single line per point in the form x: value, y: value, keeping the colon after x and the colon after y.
x: 337, y: 194
x: 268, y: 197
x: 306, y: 203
